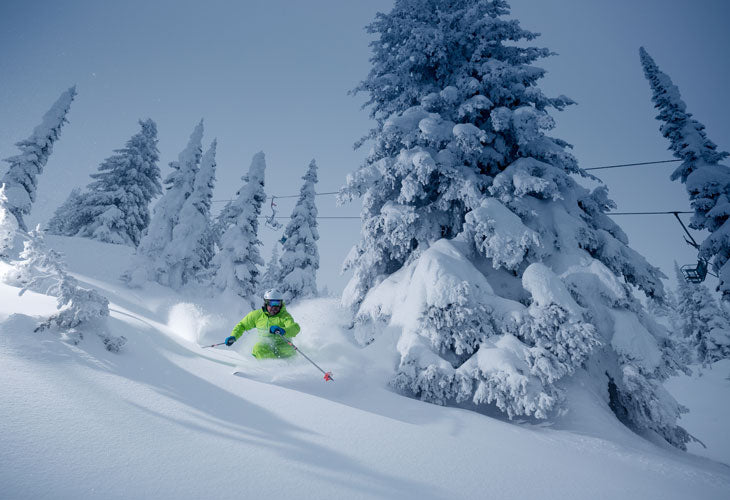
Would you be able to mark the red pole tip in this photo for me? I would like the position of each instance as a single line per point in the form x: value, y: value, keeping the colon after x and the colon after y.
x: 328, y: 376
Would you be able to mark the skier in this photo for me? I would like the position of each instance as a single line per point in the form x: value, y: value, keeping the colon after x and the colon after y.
x: 272, y: 322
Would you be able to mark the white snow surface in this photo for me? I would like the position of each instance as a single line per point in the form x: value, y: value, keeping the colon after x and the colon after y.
x: 165, y: 418
x: 434, y: 279
x: 708, y: 416
x: 632, y: 340
x: 500, y: 234
x: 546, y: 288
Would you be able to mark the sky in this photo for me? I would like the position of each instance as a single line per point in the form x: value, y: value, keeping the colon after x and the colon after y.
x: 274, y: 76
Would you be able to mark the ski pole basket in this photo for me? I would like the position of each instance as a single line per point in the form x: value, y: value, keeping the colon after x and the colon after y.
x: 695, y: 274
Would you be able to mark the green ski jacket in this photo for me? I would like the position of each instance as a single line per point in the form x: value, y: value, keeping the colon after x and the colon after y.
x: 262, y: 321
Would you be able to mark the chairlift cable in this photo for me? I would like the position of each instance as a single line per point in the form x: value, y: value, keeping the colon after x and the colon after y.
x: 276, y: 196
x: 632, y: 164
x: 590, y: 168
x: 648, y: 213
x: 318, y: 217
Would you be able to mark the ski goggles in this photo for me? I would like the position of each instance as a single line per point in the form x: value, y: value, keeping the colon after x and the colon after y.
x: 273, y: 303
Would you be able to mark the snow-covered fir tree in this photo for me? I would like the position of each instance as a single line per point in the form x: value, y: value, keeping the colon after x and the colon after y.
x: 503, y: 273
x: 67, y: 218
x: 193, y: 242
x: 270, y: 278
x: 227, y: 216
x: 703, y: 326
x: 149, y: 263
x: 237, y: 262
x: 37, y: 266
x: 21, y: 179
x: 300, y: 257
x: 664, y: 308
x: 665, y: 311
x: 80, y: 310
x: 115, y: 207
x: 706, y: 180
x: 8, y: 226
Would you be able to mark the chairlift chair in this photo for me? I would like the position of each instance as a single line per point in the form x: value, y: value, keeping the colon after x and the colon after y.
x: 695, y: 274
x: 692, y: 274
x: 271, y: 221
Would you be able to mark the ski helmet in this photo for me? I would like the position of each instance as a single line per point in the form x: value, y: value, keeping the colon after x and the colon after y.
x: 273, y: 297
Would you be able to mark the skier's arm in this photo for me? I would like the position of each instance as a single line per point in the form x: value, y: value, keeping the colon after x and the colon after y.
x: 291, y: 326
x: 247, y: 323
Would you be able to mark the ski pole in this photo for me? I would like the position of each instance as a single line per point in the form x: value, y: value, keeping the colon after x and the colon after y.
x: 207, y: 346
x: 327, y: 375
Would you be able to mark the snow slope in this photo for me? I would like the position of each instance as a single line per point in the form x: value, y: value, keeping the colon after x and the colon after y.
x: 166, y: 419
x: 706, y: 394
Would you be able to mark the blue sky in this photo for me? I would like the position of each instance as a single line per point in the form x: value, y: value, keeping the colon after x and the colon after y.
x: 274, y: 75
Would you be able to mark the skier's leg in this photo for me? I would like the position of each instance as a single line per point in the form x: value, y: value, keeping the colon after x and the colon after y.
x: 283, y: 349
x: 263, y: 350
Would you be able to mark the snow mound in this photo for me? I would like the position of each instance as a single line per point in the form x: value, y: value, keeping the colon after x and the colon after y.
x: 546, y: 288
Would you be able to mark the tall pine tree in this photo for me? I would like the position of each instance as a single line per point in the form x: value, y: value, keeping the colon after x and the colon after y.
x: 704, y: 328
x: 706, y: 180
x: 270, y: 278
x: 444, y: 90
x: 149, y: 263
x: 237, y: 262
x: 21, y: 179
x: 80, y: 310
x: 192, y: 245
x: 504, y: 274
x: 115, y: 207
x: 300, y: 257
x: 8, y: 226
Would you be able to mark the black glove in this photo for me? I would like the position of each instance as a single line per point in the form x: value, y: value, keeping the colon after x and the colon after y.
x: 230, y: 340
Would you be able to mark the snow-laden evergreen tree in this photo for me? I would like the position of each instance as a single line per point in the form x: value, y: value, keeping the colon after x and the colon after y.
x: 115, y: 207
x: 21, y: 179
x: 227, y: 216
x: 225, y: 219
x: 38, y: 267
x: 8, y: 226
x: 706, y: 180
x: 150, y: 263
x: 300, y: 257
x: 237, y: 262
x: 270, y: 278
x: 703, y: 326
x: 193, y: 242
x: 80, y: 310
x: 674, y: 348
x: 67, y: 218
x: 504, y: 274
x: 664, y: 308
